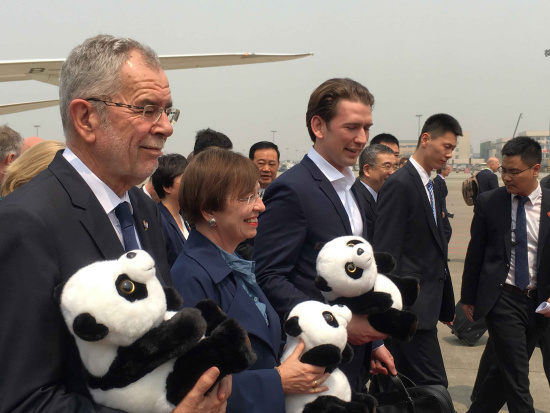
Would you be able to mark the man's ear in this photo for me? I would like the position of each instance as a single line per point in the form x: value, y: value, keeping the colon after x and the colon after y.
x: 317, y: 124
x: 366, y: 170
x: 424, y: 138
x: 536, y: 170
x: 85, y: 119
x: 10, y: 158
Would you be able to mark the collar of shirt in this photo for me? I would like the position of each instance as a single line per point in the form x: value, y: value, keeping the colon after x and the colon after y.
x: 330, y: 171
x: 421, y: 171
x: 105, y: 195
x: 372, y: 191
x: 441, y: 176
x: 533, y: 196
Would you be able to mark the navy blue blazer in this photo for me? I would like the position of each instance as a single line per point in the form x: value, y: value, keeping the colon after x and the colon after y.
x: 172, y: 234
x: 201, y: 272
x: 50, y: 228
x: 369, y: 206
x: 486, y: 180
x: 302, y: 210
x: 489, y: 251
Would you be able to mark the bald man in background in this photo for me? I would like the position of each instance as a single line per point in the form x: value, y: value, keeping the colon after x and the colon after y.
x: 487, y: 178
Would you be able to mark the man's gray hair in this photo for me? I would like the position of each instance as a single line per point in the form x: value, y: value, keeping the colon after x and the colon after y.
x: 92, y: 70
x: 370, y: 154
x: 10, y: 142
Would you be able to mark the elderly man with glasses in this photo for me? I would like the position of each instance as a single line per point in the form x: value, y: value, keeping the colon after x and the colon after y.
x: 116, y: 109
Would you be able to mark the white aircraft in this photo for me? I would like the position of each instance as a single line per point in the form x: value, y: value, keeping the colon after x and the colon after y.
x: 48, y: 71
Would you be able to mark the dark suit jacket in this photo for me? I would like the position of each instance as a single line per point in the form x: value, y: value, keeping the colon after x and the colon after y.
x: 369, y: 207
x: 405, y: 228
x: 441, y: 186
x: 302, y: 210
x: 172, y: 234
x: 488, y: 257
x: 52, y: 227
x: 545, y: 182
x: 486, y: 180
x: 201, y: 272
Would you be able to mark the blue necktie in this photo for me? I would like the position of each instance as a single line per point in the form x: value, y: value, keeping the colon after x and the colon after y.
x: 432, y: 203
x: 522, y: 261
x: 126, y: 220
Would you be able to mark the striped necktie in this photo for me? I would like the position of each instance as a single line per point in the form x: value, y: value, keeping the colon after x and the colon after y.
x: 430, y: 186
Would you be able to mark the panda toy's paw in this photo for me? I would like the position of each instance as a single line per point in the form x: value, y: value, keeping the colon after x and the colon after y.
x: 401, y: 325
x: 365, y: 399
x: 331, y: 404
x: 371, y: 302
x: 213, y: 315
x: 233, y: 349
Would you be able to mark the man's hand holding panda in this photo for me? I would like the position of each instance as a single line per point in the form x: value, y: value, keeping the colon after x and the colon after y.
x: 360, y: 331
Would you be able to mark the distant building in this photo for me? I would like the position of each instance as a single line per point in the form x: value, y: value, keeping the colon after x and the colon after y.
x: 543, y: 138
x: 487, y: 150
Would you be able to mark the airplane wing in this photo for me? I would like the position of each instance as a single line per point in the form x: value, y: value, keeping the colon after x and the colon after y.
x: 47, y: 71
x: 21, y: 107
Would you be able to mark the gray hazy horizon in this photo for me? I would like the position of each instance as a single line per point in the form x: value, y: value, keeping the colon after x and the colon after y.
x: 481, y: 61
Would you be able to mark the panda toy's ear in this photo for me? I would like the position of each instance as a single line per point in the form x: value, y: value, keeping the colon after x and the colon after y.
x: 347, y: 354
x: 292, y: 327
x: 57, y: 291
x: 384, y: 262
x: 87, y: 328
x: 174, y: 302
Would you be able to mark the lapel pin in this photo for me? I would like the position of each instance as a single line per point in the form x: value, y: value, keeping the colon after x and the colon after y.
x: 145, y: 225
x: 548, y: 214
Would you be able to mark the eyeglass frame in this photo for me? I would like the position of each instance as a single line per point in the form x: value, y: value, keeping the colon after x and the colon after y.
x: 383, y: 166
x: 169, y: 111
x: 249, y: 198
x: 504, y: 171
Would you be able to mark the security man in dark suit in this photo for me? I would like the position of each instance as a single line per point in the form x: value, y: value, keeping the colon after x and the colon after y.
x: 314, y: 202
x: 507, y: 275
x: 409, y: 226
x: 376, y: 163
x: 117, y: 113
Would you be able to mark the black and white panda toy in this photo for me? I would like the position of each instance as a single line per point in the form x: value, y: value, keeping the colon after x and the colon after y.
x: 140, y: 355
x: 350, y: 273
x: 323, y: 330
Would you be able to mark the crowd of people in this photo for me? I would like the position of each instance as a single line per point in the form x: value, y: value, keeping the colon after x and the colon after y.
x: 223, y: 226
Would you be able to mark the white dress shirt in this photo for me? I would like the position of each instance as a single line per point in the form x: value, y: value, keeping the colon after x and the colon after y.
x: 342, y: 184
x: 532, y: 215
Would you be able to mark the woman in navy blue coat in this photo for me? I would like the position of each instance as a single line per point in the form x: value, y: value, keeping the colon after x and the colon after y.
x: 220, y: 197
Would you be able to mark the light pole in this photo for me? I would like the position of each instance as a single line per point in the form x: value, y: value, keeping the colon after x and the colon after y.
x: 36, y: 126
x: 418, y: 116
x: 273, y: 132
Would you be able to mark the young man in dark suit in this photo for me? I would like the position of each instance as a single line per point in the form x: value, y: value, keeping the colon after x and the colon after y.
x: 376, y: 163
x: 409, y: 226
x: 506, y: 275
x: 117, y: 113
x: 314, y: 202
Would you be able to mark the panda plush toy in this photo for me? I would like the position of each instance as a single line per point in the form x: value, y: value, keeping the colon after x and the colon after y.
x: 350, y: 273
x: 139, y: 354
x: 322, y: 328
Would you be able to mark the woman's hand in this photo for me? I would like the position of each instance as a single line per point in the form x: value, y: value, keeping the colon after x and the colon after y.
x: 300, y: 378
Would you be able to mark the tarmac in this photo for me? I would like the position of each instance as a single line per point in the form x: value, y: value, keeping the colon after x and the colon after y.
x: 462, y: 360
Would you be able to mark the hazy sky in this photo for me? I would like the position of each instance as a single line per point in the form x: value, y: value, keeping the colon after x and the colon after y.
x: 480, y: 61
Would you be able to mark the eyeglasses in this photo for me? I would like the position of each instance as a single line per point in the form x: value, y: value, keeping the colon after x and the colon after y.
x: 251, y: 199
x: 151, y: 113
x: 388, y: 166
x: 513, y: 173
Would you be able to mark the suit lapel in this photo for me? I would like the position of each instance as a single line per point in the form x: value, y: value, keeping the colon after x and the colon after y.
x: 544, y: 223
x: 427, y: 206
x: 328, y: 190
x: 141, y: 224
x: 92, y: 215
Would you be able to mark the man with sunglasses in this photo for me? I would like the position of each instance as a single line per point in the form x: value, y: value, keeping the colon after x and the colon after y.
x: 117, y: 113
x: 507, y: 275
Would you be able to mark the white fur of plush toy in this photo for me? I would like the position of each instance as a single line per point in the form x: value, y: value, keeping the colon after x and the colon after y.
x: 348, y: 265
x: 318, y: 324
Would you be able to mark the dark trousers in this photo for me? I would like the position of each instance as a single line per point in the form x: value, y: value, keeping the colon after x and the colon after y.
x: 514, y: 329
x: 420, y: 359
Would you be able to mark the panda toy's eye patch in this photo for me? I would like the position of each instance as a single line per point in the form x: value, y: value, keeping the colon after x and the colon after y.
x: 131, y: 255
x: 352, y: 243
x: 330, y: 319
x: 130, y: 290
x: 352, y: 271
